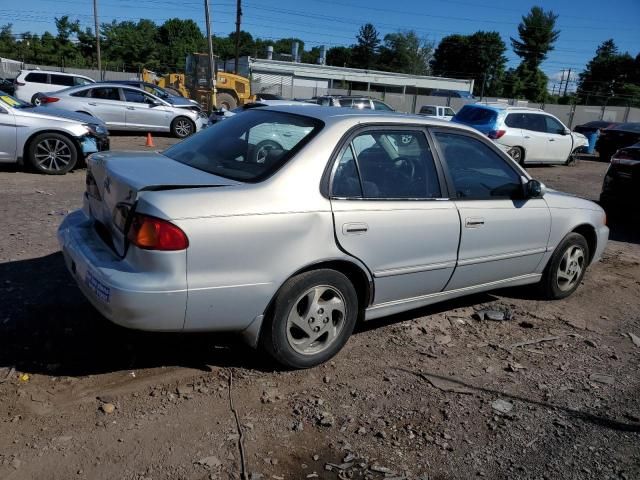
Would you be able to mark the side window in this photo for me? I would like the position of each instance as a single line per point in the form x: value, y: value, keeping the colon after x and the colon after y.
x: 514, y: 120
x: 392, y: 165
x: 428, y: 110
x: 346, y: 181
x: 134, y: 96
x: 362, y: 104
x: 449, y: 111
x: 534, y: 122
x: 346, y: 102
x: 81, y: 81
x: 81, y: 93
x: 105, y: 93
x: 381, y: 106
x: 36, y: 77
x: 477, y: 171
x: 553, y: 125
x: 64, y: 80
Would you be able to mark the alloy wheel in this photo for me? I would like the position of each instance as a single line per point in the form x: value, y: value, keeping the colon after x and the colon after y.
x: 52, y: 154
x: 183, y: 128
x: 570, y: 268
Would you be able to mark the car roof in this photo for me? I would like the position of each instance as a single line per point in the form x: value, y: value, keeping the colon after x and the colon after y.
x: 352, y: 115
x: 57, y: 73
x: 502, y: 106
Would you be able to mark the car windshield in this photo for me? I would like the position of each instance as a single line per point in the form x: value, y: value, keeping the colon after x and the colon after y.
x: 629, y: 127
x: 248, y: 147
x: 13, y: 102
x: 476, y: 115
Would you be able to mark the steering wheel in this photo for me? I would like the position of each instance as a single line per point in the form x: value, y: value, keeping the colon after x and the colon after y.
x: 405, y: 166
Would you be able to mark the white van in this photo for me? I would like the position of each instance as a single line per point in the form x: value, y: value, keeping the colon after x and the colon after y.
x: 30, y: 82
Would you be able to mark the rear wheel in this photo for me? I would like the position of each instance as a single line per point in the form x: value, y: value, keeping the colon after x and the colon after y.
x: 566, y: 268
x: 517, y: 154
x: 313, y: 316
x: 35, y: 100
x: 52, y: 153
x: 226, y: 100
x: 182, y: 127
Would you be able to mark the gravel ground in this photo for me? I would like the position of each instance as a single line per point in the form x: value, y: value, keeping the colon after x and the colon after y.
x: 553, y: 393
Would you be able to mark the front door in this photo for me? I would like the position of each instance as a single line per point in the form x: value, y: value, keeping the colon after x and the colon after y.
x: 8, y: 133
x: 106, y: 104
x: 559, y: 144
x: 503, y: 235
x: 391, y: 213
x: 144, y: 113
x: 535, y: 138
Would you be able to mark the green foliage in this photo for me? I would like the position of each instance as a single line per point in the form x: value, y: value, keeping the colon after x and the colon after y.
x: 365, y: 51
x: 405, y: 52
x: 479, y: 56
x: 339, y: 56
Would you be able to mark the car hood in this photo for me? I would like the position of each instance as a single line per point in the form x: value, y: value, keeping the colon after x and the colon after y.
x: 57, y: 113
x: 556, y: 199
x: 181, y: 102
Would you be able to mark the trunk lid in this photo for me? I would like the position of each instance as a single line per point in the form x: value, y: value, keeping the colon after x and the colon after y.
x: 115, y: 180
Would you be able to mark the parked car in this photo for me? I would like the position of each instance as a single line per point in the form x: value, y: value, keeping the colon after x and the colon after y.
x: 592, y: 130
x: 529, y: 135
x: 621, y: 185
x: 451, y: 93
x: 6, y: 86
x: 127, y: 108
x: 223, y: 113
x: 175, y: 100
x: 30, y: 82
x: 613, y: 138
x: 268, y: 96
x: 48, y: 140
x: 437, y: 111
x: 360, y: 103
x: 363, y: 215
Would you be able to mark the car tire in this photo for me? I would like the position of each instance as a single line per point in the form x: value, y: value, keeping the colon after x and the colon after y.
x: 311, y: 319
x: 52, y: 154
x: 35, y: 100
x: 225, y: 100
x: 517, y: 154
x: 182, y: 127
x: 260, y: 152
x: 566, y: 268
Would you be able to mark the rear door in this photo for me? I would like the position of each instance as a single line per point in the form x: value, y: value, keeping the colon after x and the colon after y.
x: 107, y: 104
x: 503, y: 235
x: 59, y: 81
x: 535, y: 137
x: 8, y: 133
x: 559, y: 144
x: 34, y: 82
x: 391, y: 212
x: 143, y: 113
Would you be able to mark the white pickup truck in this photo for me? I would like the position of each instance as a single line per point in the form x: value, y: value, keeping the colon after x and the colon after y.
x: 437, y: 111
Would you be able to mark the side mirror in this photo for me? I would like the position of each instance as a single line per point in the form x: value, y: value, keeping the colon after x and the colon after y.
x: 534, y: 189
x: 566, y: 131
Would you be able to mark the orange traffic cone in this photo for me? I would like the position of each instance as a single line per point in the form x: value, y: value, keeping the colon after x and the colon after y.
x: 149, y: 141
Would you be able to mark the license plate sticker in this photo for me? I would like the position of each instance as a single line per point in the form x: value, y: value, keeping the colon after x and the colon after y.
x: 102, y: 291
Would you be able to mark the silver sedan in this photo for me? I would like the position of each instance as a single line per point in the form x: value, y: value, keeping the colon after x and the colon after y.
x: 358, y: 215
x: 123, y: 107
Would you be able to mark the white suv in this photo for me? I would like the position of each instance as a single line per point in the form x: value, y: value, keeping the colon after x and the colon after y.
x: 529, y: 135
x: 30, y: 82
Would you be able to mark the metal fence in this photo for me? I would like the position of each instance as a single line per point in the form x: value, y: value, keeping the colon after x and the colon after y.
x: 11, y: 70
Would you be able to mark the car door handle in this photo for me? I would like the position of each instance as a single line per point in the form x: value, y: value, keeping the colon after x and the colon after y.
x: 287, y: 134
x: 354, y: 228
x: 552, y: 139
x: 473, y: 222
x: 527, y: 136
x: 93, y: 104
x: 131, y: 108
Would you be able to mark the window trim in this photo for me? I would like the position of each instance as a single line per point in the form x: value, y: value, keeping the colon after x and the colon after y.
x: 326, y: 181
x: 451, y: 185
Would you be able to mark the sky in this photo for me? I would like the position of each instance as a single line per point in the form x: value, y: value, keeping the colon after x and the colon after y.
x: 583, y: 24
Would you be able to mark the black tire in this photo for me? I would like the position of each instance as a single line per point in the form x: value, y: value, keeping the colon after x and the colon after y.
x: 553, y: 285
x: 52, y: 153
x: 182, y: 127
x: 517, y: 154
x: 283, y: 340
x: 35, y: 100
x: 260, y: 152
x: 226, y: 100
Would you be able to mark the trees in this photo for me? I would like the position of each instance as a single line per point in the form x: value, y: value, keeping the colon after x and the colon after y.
x: 176, y: 38
x: 479, y: 56
x: 365, y: 51
x: 405, y: 52
x: 537, y: 36
x: 339, y: 56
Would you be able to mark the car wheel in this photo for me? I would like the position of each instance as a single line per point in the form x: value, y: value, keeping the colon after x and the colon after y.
x: 52, y: 153
x: 182, y: 127
x: 566, y: 267
x: 35, y: 100
x: 517, y: 154
x: 312, y: 318
x: 225, y: 100
x: 262, y: 149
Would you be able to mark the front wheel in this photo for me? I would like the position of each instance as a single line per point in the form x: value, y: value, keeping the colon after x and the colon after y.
x: 313, y: 316
x: 52, y: 153
x: 182, y: 127
x: 566, y: 268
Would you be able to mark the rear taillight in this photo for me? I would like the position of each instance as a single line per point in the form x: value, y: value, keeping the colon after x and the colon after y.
x: 19, y: 84
x: 151, y: 233
x: 496, y: 134
x: 92, y: 187
x: 49, y: 99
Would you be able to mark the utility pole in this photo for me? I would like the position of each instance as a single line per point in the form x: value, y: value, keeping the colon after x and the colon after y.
x: 484, y: 81
x: 561, y: 80
x: 238, y: 19
x: 567, y: 84
x: 212, y: 74
x: 95, y: 19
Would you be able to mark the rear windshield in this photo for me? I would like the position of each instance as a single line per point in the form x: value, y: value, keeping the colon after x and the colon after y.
x: 248, y: 147
x: 476, y: 115
x: 629, y: 127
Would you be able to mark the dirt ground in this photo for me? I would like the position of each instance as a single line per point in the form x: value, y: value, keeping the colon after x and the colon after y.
x: 553, y: 393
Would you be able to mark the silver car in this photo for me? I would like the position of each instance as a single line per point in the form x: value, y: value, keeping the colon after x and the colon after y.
x: 364, y: 215
x: 127, y: 108
x: 49, y: 141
